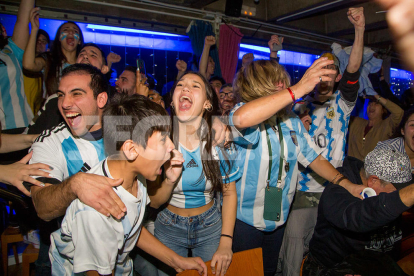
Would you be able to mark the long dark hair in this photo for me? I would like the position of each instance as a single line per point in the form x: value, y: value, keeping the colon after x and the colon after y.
x: 211, y: 167
x: 56, y: 58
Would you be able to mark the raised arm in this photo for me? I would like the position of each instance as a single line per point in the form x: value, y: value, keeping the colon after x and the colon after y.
x: 356, y: 16
x: 21, y: 28
x: 112, y: 58
x: 30, y: 61
x: 274, y: 39
x: 208, y: 42
x: 259, y: 110
x: 181, y: 67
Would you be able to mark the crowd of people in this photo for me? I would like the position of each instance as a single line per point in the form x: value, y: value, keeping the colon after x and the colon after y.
x: 125, y: 181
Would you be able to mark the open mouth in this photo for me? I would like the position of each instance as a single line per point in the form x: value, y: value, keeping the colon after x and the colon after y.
x: 185, y: 103
x: 70, y: 41
x: 73, y: 118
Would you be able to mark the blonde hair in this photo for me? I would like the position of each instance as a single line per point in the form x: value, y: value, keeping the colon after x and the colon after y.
x: 258, y: 79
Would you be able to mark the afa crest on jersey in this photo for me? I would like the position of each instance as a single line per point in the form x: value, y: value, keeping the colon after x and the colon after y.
x: 330, y: 114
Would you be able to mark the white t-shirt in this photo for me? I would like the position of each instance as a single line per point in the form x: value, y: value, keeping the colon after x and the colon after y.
x: 88, y: 240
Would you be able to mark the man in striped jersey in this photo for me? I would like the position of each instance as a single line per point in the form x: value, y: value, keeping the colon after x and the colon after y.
x: 326, y: 114
x: 15, y: 112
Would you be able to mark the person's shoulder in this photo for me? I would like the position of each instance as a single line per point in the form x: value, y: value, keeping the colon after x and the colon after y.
x: 56, y: 133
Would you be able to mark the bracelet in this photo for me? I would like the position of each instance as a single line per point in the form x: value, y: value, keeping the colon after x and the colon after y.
x: 292, y: 94
x: 333, y: 179
x: 228, y: 236
x: 339, y: 180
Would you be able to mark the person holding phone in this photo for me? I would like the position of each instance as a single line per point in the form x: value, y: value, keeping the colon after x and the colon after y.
x: 275, y: 45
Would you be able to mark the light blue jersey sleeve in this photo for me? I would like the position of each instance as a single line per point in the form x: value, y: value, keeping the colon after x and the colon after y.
x: 229, y: 170
x: 16, y: 51
x: 247, y: 136
x: 308, y: 149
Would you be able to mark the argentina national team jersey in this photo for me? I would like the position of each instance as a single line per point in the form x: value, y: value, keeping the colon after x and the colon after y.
x: 66, y: 154
x: 252, y: 148
x: 192, y: 190
x: 88, y: 240
x: 329, y: 127
x: 15, y: 112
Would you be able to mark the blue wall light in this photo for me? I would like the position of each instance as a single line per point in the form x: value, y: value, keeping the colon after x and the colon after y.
x: 129, y: 30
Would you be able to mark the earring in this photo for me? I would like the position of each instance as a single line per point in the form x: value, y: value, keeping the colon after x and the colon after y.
x: 209, y: 108
x: 172, y: 104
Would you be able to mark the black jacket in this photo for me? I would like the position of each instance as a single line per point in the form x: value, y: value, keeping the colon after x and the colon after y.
x: 347, y: 225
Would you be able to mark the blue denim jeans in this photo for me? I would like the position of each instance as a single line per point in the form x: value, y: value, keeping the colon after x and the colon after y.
x: 200, y: 234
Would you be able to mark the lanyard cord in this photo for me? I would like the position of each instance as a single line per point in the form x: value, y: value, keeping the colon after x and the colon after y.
x: 269, y: 147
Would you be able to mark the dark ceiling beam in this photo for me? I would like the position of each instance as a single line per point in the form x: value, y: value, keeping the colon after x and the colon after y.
x: 380, y: 25
x: 316, y: 9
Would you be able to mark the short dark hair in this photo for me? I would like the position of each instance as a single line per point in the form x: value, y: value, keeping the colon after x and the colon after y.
x: 226, y: 85
x: 45, y: 34
x: 132, y: 69
x: 98, y: 83
x: 220, y: 79
x: 97, y: 47
x: 136, y: 115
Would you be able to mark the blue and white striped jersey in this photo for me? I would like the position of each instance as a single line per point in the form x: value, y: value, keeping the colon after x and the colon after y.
x: 192, y: 190
x: 251, y: 145
x: 15, y: 112
x: 65, y: 153
x: 88, y: 240
x: 329, y: 127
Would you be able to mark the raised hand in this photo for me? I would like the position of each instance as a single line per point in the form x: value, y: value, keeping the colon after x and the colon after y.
x: 141, y: 87
x: 174, y: 167
x: 181, y: 65
x: 34, y: 19
x: 113, y: 58
x: 249, y: 57
x: 209, y: 40
x: 274, y: 39
x: 356, y: 16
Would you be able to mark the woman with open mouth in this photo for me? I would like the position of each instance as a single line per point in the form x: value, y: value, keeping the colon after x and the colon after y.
x: 201, y: 212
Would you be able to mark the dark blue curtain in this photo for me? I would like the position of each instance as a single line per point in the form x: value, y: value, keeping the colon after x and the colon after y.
x: 198, y: 31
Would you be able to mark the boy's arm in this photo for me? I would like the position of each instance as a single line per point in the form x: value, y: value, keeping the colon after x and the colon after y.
x: 154, y: 247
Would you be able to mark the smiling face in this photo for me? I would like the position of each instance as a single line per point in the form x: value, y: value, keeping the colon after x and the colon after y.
x: 190, y: 98
x: 408, y: 133
x: 126, y: 83
x: 76, y: 102
x: 69, y: 37
x: 92, y: 56
x: 156, y: 153
x: 226, y: 98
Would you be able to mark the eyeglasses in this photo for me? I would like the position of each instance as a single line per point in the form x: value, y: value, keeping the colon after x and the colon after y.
x: 222, y: 95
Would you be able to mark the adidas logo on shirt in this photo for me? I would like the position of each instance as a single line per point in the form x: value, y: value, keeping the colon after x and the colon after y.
x: 191, y: 164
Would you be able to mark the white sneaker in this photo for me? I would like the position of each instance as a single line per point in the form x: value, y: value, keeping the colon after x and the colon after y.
x: 32, y: 237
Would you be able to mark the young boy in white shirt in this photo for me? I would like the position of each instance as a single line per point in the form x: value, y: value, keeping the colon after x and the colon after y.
x: 136, y: 137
